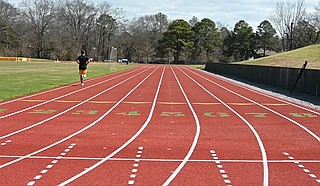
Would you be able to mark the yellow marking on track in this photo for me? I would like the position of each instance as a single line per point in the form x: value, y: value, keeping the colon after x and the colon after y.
x: 102, y: 102
x: 275, y: 104
x: 172, y: 103
x: 241, y: 104
x: 206, y: 103
x: 32, y: 100
x: 66, y: 101
x: 129, y: 102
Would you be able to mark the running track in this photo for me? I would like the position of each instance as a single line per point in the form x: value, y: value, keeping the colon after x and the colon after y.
x: 158, y: 125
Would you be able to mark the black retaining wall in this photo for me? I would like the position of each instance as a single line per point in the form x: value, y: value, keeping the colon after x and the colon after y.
x: 309, y: 82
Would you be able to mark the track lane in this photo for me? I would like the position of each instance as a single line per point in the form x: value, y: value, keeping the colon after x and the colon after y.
x: 235, y: 144
x: 13, y: 163
x: 12, y: 125
x: 258, y: 102
x: 70, y: 135
x: 221, y: 137
x: 45, y: 97
x: 278, y: 133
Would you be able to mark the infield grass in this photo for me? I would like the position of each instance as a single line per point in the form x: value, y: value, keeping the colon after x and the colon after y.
x: 24, y: 78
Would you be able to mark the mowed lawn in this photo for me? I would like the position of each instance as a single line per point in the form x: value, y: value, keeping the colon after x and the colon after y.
x: 24, y: 78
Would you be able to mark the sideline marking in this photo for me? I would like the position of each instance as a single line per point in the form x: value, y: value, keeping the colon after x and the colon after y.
x: 48, y: 167
x: 301, y: 166
x: 220, y: 167
x: 135, y: 166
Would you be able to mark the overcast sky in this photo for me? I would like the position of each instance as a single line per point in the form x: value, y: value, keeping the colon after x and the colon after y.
x: 226, y: 12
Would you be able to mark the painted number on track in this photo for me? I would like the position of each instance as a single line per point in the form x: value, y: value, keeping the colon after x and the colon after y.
x: 258, y: 115
x: 132, y: 113
x: 216, y: 114
x: 179, y: 114
x: 43, y: 111
x: 85, y: 112
x: 303, y: 115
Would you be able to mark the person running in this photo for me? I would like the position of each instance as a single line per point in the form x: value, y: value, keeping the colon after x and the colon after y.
x: 83, y: 61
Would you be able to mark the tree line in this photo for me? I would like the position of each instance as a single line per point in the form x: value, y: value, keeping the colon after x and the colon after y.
x: 59, y: 30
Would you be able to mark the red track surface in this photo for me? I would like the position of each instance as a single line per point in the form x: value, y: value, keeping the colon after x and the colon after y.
x: 158, y: 125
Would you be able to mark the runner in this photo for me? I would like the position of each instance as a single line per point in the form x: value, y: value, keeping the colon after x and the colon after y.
x: 83, y: 61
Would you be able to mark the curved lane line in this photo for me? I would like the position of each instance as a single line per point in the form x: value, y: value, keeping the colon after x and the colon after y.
x: 17, y: 112
x: 125, y: 144
x: 195, y: 139
x: 261, y: 93
x: 267, y: 108
x: 78, y: 132
x: 63, y: 112
x: 262, y: 149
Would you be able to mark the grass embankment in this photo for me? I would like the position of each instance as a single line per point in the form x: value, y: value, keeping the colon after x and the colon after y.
x: 24, y: 78
x: 292, y: 59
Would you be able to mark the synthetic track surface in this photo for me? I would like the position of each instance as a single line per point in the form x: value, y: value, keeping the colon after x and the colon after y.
x: 158, y: 125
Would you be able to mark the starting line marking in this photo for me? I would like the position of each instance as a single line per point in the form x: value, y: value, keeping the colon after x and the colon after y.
x: 163, y: 103
x: 164, y: 160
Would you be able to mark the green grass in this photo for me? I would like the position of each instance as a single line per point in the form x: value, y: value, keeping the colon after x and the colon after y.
x: 293, y: 59
x: 24, y: 78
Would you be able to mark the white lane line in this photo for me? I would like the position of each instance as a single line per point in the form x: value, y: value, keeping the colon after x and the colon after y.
x: 256, y: 134
x: 83, y: 129
x: 130, y: 140
x: 195, y: 139
x: 135, y: 168
x: 44, y: 171
x: 267, y: 108
x: 59, y: 97
x: 302, y: 167
x: 63, y: 112
x: 240, y: 85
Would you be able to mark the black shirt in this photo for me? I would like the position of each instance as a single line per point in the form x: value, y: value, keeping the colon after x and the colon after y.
x: 83, y: 62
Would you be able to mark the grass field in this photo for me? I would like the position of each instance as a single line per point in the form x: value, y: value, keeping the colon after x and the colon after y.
x: 293, y: 59
x: 23, y: 78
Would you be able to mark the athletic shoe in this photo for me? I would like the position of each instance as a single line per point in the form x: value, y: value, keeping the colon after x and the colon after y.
x: 82, y: 84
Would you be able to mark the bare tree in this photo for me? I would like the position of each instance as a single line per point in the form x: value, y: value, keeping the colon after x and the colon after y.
x: 8, y: 20
x: 79, y: 17
x: 315, y: 18
x: 285, y: 17
x: 40, y: 14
